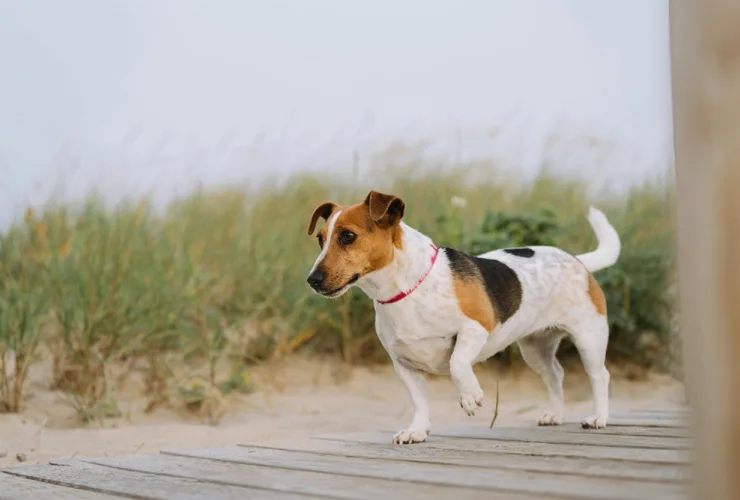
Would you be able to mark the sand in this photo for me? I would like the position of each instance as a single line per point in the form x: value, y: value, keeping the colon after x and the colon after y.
x: 297, y: 399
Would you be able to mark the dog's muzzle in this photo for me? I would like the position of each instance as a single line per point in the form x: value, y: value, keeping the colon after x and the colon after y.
x: 316, y: 280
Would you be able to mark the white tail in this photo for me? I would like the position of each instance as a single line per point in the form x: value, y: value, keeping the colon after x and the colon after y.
x: 607, y: 253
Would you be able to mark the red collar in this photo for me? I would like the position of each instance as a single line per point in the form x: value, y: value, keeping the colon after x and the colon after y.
x: 403, y: 295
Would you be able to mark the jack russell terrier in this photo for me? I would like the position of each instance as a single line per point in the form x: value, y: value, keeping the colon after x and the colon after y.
x: 440, y: 311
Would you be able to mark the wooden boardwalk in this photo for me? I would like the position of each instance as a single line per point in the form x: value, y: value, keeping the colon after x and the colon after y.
x: 639, y: 456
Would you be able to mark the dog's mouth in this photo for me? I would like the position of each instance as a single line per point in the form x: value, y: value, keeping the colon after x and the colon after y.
x: 333, y: 294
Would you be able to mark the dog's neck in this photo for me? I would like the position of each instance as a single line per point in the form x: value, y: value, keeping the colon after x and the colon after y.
x: 410, y: 263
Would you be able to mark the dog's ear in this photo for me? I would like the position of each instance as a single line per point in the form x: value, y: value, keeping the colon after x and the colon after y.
x: 324, y: 211
x: 386, y: 206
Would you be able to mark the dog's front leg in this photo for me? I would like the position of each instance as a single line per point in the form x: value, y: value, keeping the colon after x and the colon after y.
x: 421, y: 424
x: 470, y: 340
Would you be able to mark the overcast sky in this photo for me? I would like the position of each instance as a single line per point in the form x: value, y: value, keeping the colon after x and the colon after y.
x: 135, y: 94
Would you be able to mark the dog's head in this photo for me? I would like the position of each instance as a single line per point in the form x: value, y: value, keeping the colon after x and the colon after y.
x: 356, y: 240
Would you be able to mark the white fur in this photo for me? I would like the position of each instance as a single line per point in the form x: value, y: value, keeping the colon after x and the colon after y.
x: 418, y: 331
x: 607, y: 253
x: 329, y: 231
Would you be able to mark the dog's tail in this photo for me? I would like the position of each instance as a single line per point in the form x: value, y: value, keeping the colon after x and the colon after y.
x: 607, y: 253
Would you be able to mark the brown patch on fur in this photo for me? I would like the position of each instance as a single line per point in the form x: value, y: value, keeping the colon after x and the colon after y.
x: 385, y: 208
x: 324, y: 211
x: 474, y: 302
x: 499, y: 282
x: 597, y: 295
x: 397, y: 237
x: 376, y: 224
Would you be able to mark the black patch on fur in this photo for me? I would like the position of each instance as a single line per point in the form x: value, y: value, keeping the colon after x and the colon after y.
x: 525, y: 252
x: 501, y: 282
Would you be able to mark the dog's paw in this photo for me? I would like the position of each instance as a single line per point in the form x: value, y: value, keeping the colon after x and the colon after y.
x: 550, y: 419
x: 594, y: 422
x: 411, y: 436
x: 471, y: 402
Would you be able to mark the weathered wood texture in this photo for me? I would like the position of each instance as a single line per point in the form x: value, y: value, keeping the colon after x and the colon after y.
x: 705, y: 66
x: 82, y: 475
x: 322, y: 484
x: 451, y: 451
x: 541, y: 435
x: 18, y: 488
x: 518, y: 463
x: 557, y: 450
x: 514, y: 481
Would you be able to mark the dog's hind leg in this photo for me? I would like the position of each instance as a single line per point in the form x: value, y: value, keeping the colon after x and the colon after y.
x: 590, y: 337
x: 538, y: 351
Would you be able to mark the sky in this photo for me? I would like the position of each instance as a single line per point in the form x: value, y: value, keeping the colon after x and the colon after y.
x: 132, y: 95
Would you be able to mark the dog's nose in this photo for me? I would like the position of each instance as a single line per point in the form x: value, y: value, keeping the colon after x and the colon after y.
x: 316, y: 279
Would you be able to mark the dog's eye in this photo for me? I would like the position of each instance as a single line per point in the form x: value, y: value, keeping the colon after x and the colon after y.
x: 347, y: 237
x: 321, y: 240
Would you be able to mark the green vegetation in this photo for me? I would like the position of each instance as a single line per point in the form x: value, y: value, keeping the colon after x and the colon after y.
x: 217, y: 281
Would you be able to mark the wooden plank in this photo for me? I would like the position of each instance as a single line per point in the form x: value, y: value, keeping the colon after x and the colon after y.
x: 424, y: 453
x: 17, y: 488
x: 516, y: 481
x: 625, y: 430
x: 645, y: 422
x: 77, y: 474
x: 539, y: 449
x: 545, y: 435
x: 642, y: 419
x: 654, y: 414
x: 324, y: 485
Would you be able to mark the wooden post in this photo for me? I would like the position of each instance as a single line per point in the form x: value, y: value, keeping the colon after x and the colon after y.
x: 705, y: 57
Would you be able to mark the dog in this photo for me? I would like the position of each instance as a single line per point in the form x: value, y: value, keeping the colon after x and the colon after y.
x: 440, y: 311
